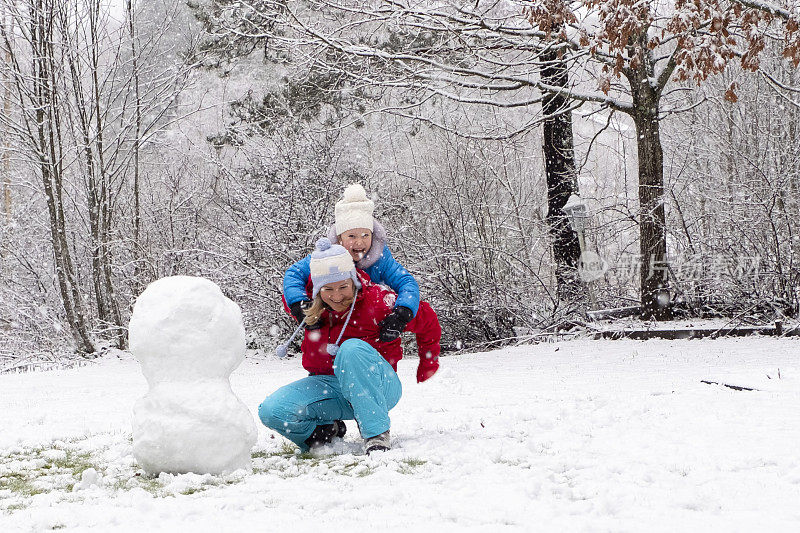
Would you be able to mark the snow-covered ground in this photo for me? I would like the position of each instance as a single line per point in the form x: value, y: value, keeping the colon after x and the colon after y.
x: 575, y: 436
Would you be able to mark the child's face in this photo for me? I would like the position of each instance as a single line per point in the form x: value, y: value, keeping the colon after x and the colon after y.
x: 338, y: 295
x: 357, y: 241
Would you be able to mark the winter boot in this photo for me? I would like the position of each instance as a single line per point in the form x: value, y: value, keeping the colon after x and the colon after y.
x: 325, y: 433
x: 378, y: 443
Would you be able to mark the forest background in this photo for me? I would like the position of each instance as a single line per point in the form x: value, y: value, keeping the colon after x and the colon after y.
x: 212, y: 138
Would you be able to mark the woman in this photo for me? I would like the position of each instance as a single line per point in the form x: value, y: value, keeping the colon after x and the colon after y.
x: 352, y: 373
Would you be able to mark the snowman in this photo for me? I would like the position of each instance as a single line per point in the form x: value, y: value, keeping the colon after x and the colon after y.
x: 188, y: 338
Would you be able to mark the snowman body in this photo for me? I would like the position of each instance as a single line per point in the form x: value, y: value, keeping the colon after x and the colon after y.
x: 188, y: 338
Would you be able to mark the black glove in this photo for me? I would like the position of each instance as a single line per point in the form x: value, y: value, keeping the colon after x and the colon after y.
x: 298, y: 310
x: 394, y: 324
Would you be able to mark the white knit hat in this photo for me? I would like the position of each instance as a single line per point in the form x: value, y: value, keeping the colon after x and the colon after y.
x: 331, y: 263
x: 354, y: 210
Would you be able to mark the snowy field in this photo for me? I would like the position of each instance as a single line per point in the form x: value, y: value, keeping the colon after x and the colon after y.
x: 569, y: 436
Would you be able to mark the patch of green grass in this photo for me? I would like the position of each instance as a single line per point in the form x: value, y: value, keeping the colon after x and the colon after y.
x: 409, y: 465
x: 287, y: 450
x: 15, y: 507
x: 207, y: 484
x: 57, y: 467
x: 148, y: 483
x: 42, y: 471
x: 151, y: 485
x: 119, y: 484
x: 19, y: 483
x: 75, y: 462
x: 355, y: 468
x: 300, y: 464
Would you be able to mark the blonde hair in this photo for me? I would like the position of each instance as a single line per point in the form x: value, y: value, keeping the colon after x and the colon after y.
x: 314, y: 313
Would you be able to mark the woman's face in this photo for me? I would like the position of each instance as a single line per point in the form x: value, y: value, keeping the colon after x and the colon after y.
x: 338, y: 295
x: 357, y: 241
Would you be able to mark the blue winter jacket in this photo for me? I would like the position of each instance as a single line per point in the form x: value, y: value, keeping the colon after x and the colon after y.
x: 378, y: 263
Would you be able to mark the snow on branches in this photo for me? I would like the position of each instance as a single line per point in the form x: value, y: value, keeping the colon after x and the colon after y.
x: 754, y: 13
x: 551, y: 16
x: 699, y: 37
x: 705, y: 42
x: 622, y: 22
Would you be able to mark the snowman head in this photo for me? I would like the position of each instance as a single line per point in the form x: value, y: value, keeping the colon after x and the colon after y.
x: 184, y: 329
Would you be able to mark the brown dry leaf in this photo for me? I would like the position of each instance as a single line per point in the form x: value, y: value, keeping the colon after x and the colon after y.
x: 730, y: 95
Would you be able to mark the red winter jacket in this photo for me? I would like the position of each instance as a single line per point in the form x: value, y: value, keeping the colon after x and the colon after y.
x: 373, y: 304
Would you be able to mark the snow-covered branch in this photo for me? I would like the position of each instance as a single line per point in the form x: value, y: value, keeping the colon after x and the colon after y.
x: 767, y: 7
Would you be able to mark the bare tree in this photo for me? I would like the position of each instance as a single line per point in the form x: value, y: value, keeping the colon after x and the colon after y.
x: 90, y: 123
x: 6, y: 154
x: 74, y: 72
x: 34, y: 78
x: 629, y: 51
x: 625, y: 54
x: 282, y: 30
x: 136, y: 149
x: 736, y: 180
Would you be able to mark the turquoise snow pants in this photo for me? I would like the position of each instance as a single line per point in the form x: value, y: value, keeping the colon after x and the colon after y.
x: 364, y: 387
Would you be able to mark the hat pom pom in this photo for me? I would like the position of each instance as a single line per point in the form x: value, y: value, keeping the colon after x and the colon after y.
x: 282, y: 350
x: 323, y: 244
x: 354, y: 193
x: 333, y: 349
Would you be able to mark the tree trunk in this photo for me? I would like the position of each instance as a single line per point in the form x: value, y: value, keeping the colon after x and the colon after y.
x: 654, y: 275
x: 49, y: 137
x: 6, y: 112
x: 94, y: 189
x: 138, y: 271
x: 91, y: 123
x: 6, y: 167
x: 559, y: 164
x: 104, y: 194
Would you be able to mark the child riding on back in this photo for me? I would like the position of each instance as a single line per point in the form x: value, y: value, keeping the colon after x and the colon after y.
x: 366, y: 241
x: 352, y: 371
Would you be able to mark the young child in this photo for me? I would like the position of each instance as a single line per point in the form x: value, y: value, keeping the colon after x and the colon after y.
x: 352, y: 373
x: 365, y: 239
